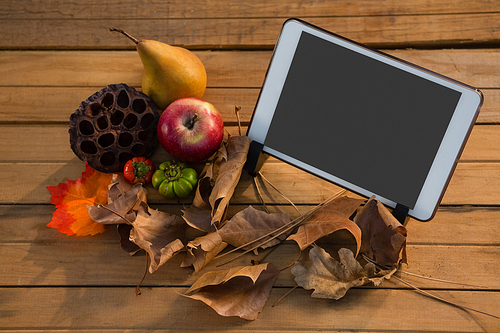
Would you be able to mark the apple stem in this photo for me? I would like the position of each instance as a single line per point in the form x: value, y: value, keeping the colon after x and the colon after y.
x: 135, y: 40
x: 190, y: 122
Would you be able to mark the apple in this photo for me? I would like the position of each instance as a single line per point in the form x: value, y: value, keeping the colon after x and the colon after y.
x: 190, y: 129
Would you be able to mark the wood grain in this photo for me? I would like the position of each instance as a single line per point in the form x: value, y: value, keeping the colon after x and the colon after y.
x: 481, y: 146
x: 244, y: 69
x: 199, y: 9
x: 471, y: 184
x: 55, y: 104
x: 103, y: 264
x: 54, y: 54
x: 165, y: 308
x: 466, y: 226
x: 439, y: 30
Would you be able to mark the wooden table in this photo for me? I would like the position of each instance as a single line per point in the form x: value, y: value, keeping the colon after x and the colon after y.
x: 56, y: 53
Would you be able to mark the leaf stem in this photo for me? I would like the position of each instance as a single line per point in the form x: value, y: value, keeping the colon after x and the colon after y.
x: 237, y: 111
x: 260, y: 194
x: 138, y: 287
x: 442, y: 299
x: 439, y: 280
x: 280, y: 231
x: 277, y: 190
x: 116, y: 213
x: 285, y: 295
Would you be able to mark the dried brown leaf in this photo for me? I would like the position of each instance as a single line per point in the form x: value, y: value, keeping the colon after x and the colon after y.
x: 228, y: 176
x: 202, y: 250
x: 328, y: 219
x: 199, y: 218
x: 119, y: 185
x: 217, y: 183
x: 251, y: 224
x: 208, y: 178
x: 126, y: 244
x: 122, y: 206
x: 331, y: 278
x: 239, y: 291
x: 160, y: 234
x: 383, y: 237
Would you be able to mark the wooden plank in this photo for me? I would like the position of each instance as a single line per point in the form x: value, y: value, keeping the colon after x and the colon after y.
x: 244, y: 69
x: 167, y: 330
x: 451, y: 225
x: 490, y: 113
x: 51, y: 143
x: 377, y: 31
x: 162, y: 308
x: 105, y: 264
x: 471, y: 184
x: 482, y: 144
x: 55, y: 104
x: 176, y: 9
x: 98, y: 69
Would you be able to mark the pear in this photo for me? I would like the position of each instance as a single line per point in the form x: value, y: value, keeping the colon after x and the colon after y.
x: 170, y: 72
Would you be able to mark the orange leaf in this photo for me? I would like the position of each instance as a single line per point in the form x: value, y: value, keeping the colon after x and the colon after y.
x: 71, y: 199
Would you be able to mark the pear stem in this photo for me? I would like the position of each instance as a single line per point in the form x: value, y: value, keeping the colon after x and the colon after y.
x: 135, y: 40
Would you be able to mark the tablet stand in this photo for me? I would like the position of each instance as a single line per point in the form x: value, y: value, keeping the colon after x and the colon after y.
x: 401, y: 213
x: 255, y: 160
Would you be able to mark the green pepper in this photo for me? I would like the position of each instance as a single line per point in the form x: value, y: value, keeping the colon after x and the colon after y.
x: 174, y: 179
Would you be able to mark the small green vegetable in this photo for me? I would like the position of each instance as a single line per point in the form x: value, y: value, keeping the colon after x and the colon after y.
x: 174, y: 179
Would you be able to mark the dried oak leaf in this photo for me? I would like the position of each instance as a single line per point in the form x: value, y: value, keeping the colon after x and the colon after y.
x: 120, y: 185
x: 125, y: 243
x: 199, y: 218
x: 122, y: 206
x: 217, y: 183
x: 124, y: 200
x: 160, y: 234
x: 239, y: 291
x: 228, y: 176
x: 330, y: 218
x: 208, y: 178
x: 383, y: 237
x: 72, y: 198
x: 202, y: 250
x: 251, y: 224
x: 331, y: 278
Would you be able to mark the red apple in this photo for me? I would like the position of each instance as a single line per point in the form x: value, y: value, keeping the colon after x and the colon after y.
x: 190, y: 129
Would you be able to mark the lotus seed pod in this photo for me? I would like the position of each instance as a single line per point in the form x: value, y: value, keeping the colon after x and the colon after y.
x: 112, y: 126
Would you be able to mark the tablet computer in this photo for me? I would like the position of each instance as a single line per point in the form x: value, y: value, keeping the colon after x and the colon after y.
x: 362, y: 119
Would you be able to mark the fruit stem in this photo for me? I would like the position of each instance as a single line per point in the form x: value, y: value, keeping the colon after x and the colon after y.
x: 190, y: 122
x: 135, y: 40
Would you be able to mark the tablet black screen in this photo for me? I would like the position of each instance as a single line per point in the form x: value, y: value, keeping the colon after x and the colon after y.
x: 360, y: 120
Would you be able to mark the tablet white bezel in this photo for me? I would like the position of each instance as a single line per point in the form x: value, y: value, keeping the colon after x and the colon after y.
x: 448, y: 153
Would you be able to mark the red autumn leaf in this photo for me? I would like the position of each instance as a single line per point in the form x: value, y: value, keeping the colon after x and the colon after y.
x: 71, y: 199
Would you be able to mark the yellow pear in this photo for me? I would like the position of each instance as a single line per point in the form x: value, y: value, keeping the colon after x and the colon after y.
x: 170, y: 72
